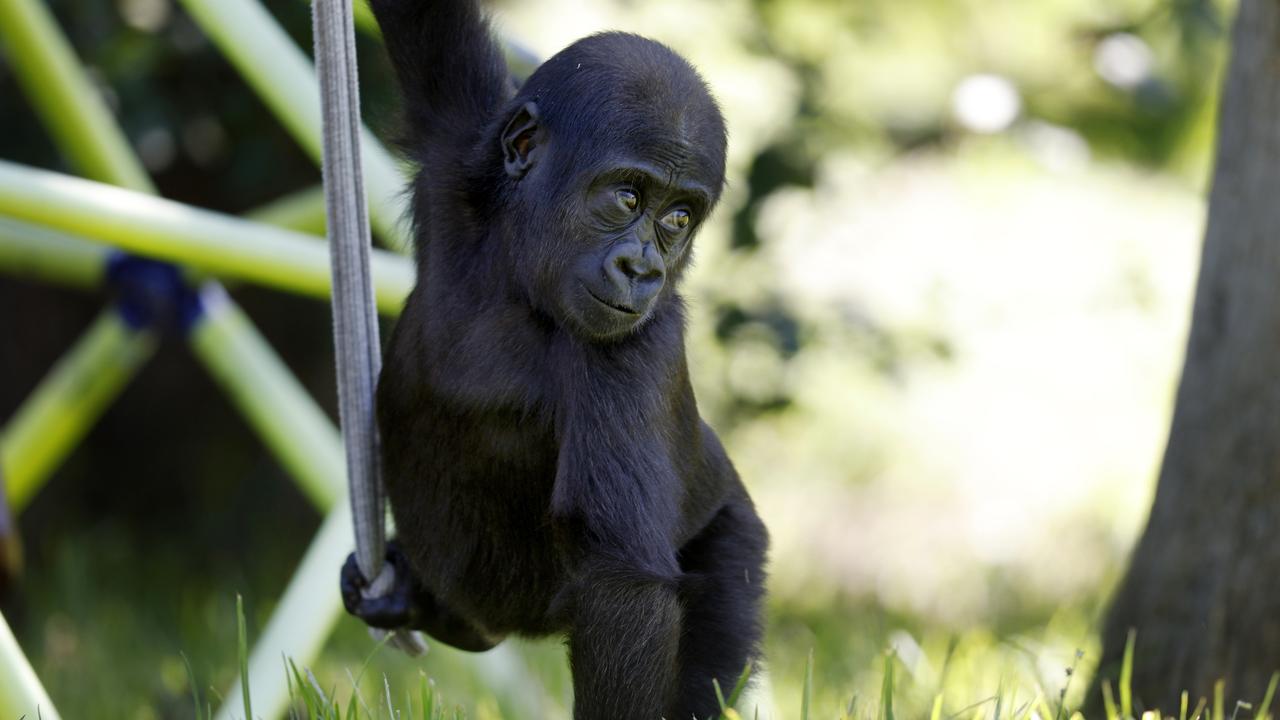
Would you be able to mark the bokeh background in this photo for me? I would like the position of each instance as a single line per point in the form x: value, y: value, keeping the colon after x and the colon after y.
x: 937, y: 320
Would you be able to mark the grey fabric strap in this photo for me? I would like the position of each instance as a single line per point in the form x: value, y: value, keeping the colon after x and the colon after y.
x: 355, y: 318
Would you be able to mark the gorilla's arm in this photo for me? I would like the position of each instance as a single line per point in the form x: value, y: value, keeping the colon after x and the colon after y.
x: 617, y: 494
x: 451, y: 70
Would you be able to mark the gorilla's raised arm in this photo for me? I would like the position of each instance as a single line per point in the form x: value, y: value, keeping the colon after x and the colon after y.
x: 451, y: 70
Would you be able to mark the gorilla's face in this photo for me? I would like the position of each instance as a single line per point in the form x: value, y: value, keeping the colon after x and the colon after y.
x: 608, y: 211
x: 632, y: 236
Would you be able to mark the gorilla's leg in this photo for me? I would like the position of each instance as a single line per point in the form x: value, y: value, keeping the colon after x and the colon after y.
x: 409, y: 605
x: 623, y: 640
x: 721, y: 590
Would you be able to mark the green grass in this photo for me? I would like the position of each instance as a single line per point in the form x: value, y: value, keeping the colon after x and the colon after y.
x: 823, y: 665
x: 1011, y: 701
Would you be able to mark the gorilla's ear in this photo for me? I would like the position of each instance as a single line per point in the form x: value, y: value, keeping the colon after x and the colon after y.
x: 521, y: 140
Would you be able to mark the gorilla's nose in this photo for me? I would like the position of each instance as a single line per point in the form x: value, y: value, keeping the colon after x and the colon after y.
x: 636, y: 269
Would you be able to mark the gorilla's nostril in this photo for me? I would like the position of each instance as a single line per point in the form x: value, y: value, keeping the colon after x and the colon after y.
x: 637, y: 269
x: 624, y: 264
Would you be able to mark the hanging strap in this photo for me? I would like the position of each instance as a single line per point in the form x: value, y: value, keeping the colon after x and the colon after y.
x: 355, y: 318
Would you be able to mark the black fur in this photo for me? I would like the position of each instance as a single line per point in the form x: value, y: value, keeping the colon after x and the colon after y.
x: 544, y: 456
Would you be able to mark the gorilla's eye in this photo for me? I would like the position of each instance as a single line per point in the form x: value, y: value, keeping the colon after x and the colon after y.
x: 676, y: 220
x: 628, y: 199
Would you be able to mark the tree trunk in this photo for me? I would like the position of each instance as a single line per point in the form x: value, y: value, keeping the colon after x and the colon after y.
x: 1203, y: 588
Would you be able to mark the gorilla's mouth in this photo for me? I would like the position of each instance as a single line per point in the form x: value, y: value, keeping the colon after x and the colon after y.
x: 616, y: 306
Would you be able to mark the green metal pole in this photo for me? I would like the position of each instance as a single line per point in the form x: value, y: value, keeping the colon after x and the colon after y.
x: 40, y: 254
x: 302, y: 211
x: 271, y: 398
x: 68, y: 401
x: 284, y: 78
x: 154, y: 227
x: 21, y: 694
x: 34, y: 252
x: 219, y: 244
x: 67, y: 102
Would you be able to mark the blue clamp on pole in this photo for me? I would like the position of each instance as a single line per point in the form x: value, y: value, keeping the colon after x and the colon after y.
x: 152, y: 294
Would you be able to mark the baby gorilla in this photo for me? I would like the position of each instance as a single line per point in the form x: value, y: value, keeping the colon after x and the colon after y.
x: 544, y: 456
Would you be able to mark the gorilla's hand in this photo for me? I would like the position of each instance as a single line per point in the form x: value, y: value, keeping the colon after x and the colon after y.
x: 395, y: 610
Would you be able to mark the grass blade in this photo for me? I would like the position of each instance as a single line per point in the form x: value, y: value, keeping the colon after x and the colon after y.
x: 851, y: 710
x: 1109, y: 702
x: 242, y: 648
x: 740, y: 686
x: 967, y: 708
x: 195, y: 688
x: 1219, y: 699
x: 1126, y: 675
x: 807, y: 697
x: 953, y: 642
x: 428, y: 694
x: 391, y: 708
x: 1264, y: 707
x: 886, y: 690
x: 321, y: 698
x: 306, y: 691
